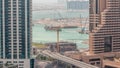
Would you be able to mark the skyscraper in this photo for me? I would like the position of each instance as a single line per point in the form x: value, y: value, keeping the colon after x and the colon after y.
x: 104, y: 34
x: 61, y: 1
x: 104, y: 26
x: 15, y: 32
x: 77, y: 4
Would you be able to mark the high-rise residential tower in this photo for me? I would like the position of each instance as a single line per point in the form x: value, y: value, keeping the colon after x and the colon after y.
x: 104, y: 26
x: 104, y: 41
x: 15, y: 32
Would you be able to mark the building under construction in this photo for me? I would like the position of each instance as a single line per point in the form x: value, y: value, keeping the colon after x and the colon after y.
x: 63, y: 46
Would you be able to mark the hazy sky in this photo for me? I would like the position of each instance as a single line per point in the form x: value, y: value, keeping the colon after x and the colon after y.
x: 44, y: 1
x: 49, y: 1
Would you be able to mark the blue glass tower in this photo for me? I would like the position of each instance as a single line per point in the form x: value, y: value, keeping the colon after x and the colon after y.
x: 15, y: 31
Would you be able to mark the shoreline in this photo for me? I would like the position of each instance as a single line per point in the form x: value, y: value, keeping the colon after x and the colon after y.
x: 64, y: 22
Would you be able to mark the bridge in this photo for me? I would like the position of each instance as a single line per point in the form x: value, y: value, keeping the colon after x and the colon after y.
x: 76, y: 63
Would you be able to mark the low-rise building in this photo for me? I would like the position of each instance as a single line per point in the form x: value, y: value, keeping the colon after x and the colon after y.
x: 63, y: 46
x: 102, y: 60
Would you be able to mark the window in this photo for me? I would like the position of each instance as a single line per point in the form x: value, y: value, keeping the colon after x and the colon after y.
x: 14, y: 61
x: 21, y: 61
x: 96, y: 59
x: 93, y: 63
x: 91, y: 26
x: 108, y: 44
x: 97, y: 62
x: 97, y: 6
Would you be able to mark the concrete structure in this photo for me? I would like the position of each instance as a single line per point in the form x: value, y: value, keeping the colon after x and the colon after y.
x: 102, y: 60
x: 63, y: 46
x: 73, y: 54
x: 15, y: 32
x: 71, y: 62
x: 104, y: 34
x: 104, y: 26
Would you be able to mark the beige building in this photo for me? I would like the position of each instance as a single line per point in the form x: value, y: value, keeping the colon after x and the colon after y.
x: 104, y: 26
x: 104, y: 40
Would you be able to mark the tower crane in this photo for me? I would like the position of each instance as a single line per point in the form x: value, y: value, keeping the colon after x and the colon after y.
x: 83, y: 28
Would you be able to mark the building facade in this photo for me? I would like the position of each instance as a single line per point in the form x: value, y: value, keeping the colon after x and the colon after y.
x: 15, y: 32
x: 77, y: 4
x: 104, y: 26
x: 104, y: 41
x: 63, y: 46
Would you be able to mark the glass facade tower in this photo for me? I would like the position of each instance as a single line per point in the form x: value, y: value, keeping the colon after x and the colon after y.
x: 15, y: 31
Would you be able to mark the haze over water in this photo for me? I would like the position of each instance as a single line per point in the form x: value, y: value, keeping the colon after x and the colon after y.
x: 40, y: 35
x: 45, y: 1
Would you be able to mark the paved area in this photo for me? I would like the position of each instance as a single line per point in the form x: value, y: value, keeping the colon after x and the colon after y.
x: 68, y: 60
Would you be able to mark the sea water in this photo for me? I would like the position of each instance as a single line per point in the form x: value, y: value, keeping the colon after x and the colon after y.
x: 40, y: 35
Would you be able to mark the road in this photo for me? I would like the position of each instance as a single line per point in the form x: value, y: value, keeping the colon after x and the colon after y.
x: 68, y: 60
